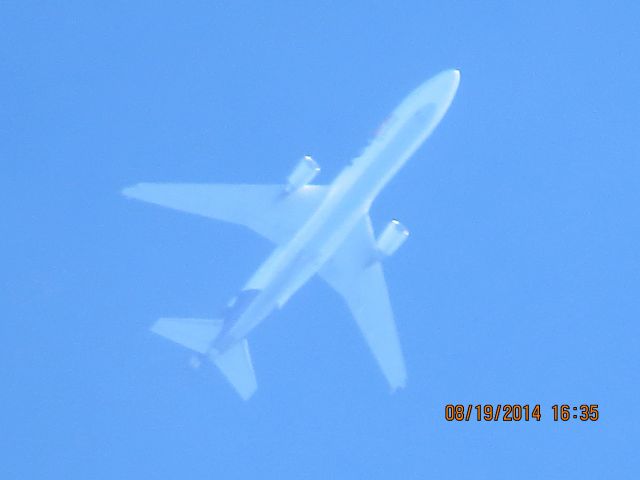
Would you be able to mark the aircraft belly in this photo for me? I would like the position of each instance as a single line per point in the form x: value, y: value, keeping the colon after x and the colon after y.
x: 291, y: 265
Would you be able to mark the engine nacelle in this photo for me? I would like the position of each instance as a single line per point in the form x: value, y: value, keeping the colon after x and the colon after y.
x: 394, y: 235
x: 305, y: 171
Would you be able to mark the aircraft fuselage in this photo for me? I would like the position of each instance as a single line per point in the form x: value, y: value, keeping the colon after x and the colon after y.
x: 350, y: 195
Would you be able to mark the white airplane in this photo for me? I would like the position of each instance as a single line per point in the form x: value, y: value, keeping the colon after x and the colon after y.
x: 317, y: 229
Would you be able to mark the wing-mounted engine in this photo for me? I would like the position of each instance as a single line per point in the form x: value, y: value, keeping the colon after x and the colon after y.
x: 305, y: 171
x: 394, y: 235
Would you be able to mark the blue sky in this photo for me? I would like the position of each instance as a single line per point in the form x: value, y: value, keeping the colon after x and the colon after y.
x: 518, y: 284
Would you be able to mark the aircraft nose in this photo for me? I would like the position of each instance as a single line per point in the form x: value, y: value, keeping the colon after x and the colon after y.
x: 439, y: 90
x: 455, y: 73
x: 442, y: 88
x: 449, y: 80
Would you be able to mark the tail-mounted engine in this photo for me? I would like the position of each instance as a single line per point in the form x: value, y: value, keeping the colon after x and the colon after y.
x: 394, y: 235
x: 305, y: 171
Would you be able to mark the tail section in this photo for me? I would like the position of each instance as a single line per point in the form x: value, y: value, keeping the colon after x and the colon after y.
x: 194, y: 333
x: 198, y: 335
x: 235, y: 364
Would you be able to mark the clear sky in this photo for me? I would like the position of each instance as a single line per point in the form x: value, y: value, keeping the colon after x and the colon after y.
x: 519, y: 283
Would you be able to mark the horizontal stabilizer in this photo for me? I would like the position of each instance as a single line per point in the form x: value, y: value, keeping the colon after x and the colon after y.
x: 194, y: 333
x: 235, y: 364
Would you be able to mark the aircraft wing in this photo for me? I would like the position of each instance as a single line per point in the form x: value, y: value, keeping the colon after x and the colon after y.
x: 356, y: 274
x: 265, y: 209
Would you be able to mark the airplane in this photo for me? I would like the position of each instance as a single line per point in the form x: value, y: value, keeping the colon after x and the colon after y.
x: 322, y: 230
